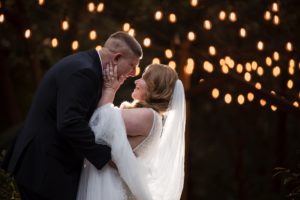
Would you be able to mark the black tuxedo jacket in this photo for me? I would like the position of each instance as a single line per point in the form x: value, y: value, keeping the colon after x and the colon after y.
x: 48, y: 153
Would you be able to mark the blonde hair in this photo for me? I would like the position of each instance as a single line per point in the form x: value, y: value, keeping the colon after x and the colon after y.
x: 160, y: 80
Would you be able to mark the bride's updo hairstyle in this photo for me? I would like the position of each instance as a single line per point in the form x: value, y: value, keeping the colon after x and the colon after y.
x: 160, y: 80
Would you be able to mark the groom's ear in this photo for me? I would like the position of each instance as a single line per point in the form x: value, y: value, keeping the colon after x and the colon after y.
x: 116, y: 57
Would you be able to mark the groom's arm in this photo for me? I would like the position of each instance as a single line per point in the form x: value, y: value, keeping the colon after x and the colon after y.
x: 75, y: 97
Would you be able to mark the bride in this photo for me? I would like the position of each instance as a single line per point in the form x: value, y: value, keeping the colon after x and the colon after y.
x: 146, y: 138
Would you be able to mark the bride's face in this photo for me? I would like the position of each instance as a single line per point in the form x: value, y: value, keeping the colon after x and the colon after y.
x: 140, y: 91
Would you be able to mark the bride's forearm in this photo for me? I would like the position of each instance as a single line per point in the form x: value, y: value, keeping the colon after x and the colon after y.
x: 108, y: 96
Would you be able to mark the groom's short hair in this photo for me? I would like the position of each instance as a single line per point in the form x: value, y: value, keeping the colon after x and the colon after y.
x: 120, y: 40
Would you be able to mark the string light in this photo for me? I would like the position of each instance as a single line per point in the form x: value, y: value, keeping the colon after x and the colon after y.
x: 291, y: 70
x: 276, y: 56
x: 250, y: 96
x: 65, y: 25
x: 75, y: 45
x: 254, y: 65
x: 98, y: 47
x: 258, y: 86
x: 172, y: 64
x: 289, y: 46
x: 267, y: 15
x: 194, y: 3
x: 131, y: 32
x: 241, y: 99
x: 126, y: 27
x: 168, y: 53
x: 215, y: 93
x: 191, y: 36
x: 290, y: 84
x: 296, y: 104
x: 93, y: 35
x: 292, y: 63
x: 262, y: 102
x: 276, y: 20
x: 275, y: 7
x: 239, y: 68
x: 27, y: 33
x: 147, y: 42
x: 212, y: 50
x: 2, y: 18
x: 248, y: 67
x: 91, y: 7
x: 100, y: 7
x: 155, y: 61
x: 189, y: 68
x: 268, y: 61
x: 41, y: 2
x: 260, y: 71
x: 273, y: 108
x: 222, y: 62
x: 260, y: 45
x: 207, y: 66
x: 243, y: 32
x: 207, y: 25
x: 276, y: 71
x: 225, y: 69
x: 137, y: 70
x: 247, y: 77
x: 172, y: 18
x: 232, y: 17
x: 158, y: 15
x: 227, y: 98
x: 222, y: 15
x: 54, y: 42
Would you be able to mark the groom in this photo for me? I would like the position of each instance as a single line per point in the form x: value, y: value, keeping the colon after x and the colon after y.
x: 48, y: 153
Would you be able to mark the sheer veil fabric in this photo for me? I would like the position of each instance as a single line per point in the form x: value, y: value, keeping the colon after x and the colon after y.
x: 156, y: 173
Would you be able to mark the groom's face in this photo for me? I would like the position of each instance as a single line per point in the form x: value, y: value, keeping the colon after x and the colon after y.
x: 127, y: 65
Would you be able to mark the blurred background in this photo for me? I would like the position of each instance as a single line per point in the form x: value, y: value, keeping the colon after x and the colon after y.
x: 238, y: 60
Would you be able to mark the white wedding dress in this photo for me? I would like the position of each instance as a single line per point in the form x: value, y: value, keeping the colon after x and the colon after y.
x: 153, y: 171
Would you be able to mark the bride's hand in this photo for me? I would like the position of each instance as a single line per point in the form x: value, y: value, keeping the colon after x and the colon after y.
x: 110, y: 77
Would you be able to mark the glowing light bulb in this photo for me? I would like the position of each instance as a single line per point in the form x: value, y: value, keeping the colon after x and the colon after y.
x: 273, y: 108
x: 247, y: 77
x: 260, y: 71
x: 54, y: 42
x: 91, y: 7
x: 168, y: 53
x: 194, y: 3
x: 126, y: 27
x: 158, y: 15
x: 222, y: 15
x: 207, y: 25
x: 228, y: 98
x: 243, y: 32
x: 98, y: 47
x: 172, y: 64
x: 191, y: 36
x: 276, y: 71
x: 155, y: 61
x: 75, y: 45
x: 241, y: 99
x: 268, y: 61
x: 93, y: 35
x: 260, y: 45
x: 276, y: 56
x: 290, y: 84
x: 275, y: 7
x: 27, y: 33
x: 131, y: 32
x: 137, y: 71
x: 250, y: 96
x: 41, y: 2
x: 239, y: 68
x: 289, y: 46
x: 276, y: 20
x: 189, y: 68
x: 172, y: 18
x: 267, y: 15
x: 65, y: 25
x: 147, y: 42
x: 232, y: 17
x: 212, y: 50
x: 262, y: 102
x: 207, y: 66
x: 258, y: 86
x: 2, y: 18
x: 215, y: 93
x: 100, y: 7
x: 296, y: 104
